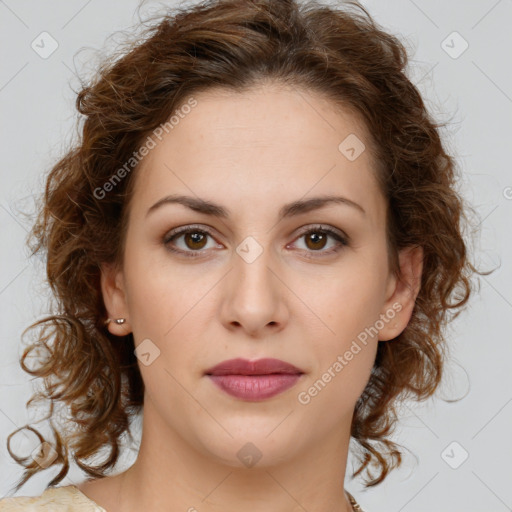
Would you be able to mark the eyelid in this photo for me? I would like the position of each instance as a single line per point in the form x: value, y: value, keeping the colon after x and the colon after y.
x: 186, y: 229
x: 322, y: 227
x: 341, y: 238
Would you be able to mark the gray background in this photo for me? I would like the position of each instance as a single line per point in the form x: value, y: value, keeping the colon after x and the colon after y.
x: 472, y: 91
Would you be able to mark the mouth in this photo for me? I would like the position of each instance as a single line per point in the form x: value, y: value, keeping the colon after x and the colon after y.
x: 254, y: 380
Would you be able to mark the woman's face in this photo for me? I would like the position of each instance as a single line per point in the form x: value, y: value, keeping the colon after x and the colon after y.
x: 257, y: 275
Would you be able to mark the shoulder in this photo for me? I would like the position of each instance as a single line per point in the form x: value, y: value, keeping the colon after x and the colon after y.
x: 55, y: 499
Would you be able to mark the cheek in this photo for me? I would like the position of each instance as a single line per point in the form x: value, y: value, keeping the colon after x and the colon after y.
x: 157, y: 291
x: 347, y: 305
x: 348, y: 299
x: 167, y: 306
x: 344, y: 359
x: 339, y: 382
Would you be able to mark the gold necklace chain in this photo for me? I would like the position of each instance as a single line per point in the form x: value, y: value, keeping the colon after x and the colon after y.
x: 353, y: 502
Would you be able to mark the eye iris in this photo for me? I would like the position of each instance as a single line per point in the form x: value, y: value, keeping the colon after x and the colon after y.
x: 196, y: 238
x: 315, y: 238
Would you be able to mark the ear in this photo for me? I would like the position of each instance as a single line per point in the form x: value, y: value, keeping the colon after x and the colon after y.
x: 401, y: 293
x: 112, y: 288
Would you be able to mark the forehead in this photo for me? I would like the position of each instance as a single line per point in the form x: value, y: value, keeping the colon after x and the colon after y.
x: 270, y: 143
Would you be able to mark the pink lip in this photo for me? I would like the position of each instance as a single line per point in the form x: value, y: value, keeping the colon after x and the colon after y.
x: 254, y: 380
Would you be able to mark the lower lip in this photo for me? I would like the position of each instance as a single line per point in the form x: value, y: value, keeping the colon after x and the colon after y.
x: 255, y: 387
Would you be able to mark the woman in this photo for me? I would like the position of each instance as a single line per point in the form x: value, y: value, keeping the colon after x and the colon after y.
x: 256, y: 242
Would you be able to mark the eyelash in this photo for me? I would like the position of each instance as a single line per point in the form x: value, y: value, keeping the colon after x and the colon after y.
x: 174, y: 234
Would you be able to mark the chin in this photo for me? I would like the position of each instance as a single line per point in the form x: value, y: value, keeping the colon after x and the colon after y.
x: 253, y: 446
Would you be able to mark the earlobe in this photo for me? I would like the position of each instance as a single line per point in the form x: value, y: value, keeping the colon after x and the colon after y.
x: 112, y: 289
x: 403, y: 292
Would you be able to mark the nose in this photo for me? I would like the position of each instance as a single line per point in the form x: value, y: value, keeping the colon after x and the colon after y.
x: 254, y: 298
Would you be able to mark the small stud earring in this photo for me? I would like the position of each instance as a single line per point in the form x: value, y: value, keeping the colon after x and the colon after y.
x: 118, y: 321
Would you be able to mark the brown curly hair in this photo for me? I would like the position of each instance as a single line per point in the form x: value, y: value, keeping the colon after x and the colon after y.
x: 234, y: 44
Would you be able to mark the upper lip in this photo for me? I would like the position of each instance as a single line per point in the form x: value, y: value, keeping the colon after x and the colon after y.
x: 264, y: 366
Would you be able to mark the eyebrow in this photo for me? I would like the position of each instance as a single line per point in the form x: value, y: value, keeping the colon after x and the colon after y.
x: 288, y: 210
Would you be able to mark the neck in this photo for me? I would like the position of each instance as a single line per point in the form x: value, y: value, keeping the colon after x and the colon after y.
x: 178, y: 476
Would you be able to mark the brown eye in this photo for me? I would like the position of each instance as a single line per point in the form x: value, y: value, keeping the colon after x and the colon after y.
x: 316, y: 240
x: 189, y: 241
x: 195, y: 239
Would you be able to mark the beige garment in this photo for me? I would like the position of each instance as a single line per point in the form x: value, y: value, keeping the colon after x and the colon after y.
x: 70, y: 499
x: 55, y: 499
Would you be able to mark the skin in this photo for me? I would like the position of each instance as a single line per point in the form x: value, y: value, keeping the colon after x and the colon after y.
x: 252, y: 153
